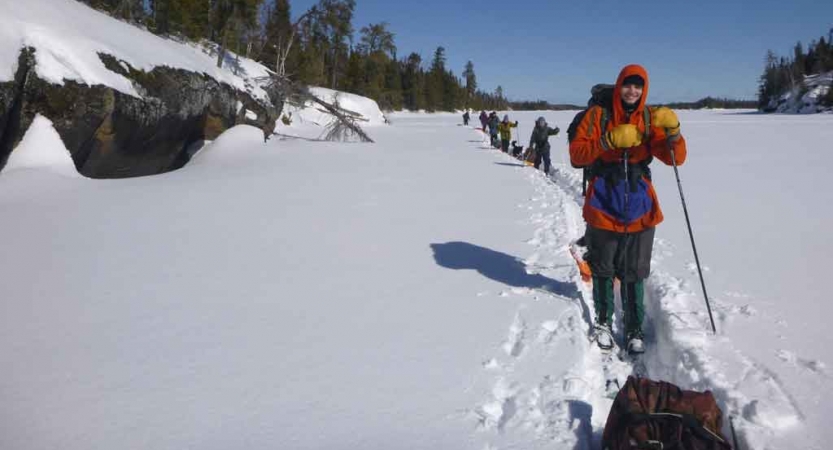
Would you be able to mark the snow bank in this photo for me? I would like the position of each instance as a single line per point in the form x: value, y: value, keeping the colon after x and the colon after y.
x: 69, y: 35
x: 806, y: 98
x: 231, y: 146
x: 310, y: 120
x: 42, y: 148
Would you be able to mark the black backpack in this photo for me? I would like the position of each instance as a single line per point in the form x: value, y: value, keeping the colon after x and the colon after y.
x: 600, y: 95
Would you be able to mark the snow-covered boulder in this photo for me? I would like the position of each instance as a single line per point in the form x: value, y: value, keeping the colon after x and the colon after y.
x: 124, y: 101
x: 806, y: 98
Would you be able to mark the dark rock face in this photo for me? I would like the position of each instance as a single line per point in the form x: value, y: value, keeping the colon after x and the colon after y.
x: 11, y: 102
x: 114, y: 135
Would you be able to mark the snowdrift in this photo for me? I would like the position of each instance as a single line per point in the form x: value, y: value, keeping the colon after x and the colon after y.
x: 310, y: 121
x: 42, y: 148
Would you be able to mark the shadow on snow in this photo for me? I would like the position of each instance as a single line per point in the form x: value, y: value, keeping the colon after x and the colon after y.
x: 497, y: 266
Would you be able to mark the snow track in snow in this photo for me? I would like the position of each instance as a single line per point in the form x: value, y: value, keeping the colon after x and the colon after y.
x: 570, y: 409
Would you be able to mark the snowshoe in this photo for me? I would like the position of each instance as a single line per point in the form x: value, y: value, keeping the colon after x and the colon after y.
x: 636, y: 344
x: 603, y: 336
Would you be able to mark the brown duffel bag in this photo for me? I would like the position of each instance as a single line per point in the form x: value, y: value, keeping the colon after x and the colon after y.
x: 656, y: 415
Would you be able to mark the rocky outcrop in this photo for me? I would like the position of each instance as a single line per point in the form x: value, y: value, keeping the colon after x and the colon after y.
x: 110, y: 134
x: 11, y: 102
x: 813, y: 94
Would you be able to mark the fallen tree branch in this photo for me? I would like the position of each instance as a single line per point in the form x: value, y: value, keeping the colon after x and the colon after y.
x: 343, y: 126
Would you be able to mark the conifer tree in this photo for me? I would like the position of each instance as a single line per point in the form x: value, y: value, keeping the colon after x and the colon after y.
x: 231, y: 19
x: 277, y: 31
x: 435, y: 81
x: 471, y: 82
x: 413, y: 85
x: 393, y: 86
x: 335, y: 21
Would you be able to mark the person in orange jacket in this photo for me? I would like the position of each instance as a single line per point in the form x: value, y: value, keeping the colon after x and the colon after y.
x: 621, y: 207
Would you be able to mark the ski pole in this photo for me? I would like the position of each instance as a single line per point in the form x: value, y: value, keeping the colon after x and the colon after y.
x: 623, y: 282
x: 690, y: 233
x: 518, y: 140
x: 734, y: 436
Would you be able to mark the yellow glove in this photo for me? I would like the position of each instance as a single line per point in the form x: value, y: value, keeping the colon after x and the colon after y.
x: 667, y: 119
x: 623, y: 136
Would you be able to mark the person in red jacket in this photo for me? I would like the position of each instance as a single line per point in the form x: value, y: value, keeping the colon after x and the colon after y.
x: 621, y: 207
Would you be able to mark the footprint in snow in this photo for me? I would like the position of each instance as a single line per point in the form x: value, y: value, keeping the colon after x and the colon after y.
x: 514, y: 344
x: 492, y: 364
x: 496, y: 413
x: 551, y: 330
x: 814, y: 366
x: 692, y: 268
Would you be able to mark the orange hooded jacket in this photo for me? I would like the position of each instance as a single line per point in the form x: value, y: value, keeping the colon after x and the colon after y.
x: 587, y: 147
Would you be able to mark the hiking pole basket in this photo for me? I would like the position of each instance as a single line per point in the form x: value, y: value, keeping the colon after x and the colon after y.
x: 691, y: 234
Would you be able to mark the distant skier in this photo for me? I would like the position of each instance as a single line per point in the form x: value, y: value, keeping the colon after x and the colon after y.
x: 539, y: 143
x: 466, y: 118
x: 484, y: 120
x: 505, y: 130
x: 493, y: 123
x: 621, y: 207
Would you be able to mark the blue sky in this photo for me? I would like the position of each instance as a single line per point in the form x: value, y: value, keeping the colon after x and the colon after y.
x: 556, y: 50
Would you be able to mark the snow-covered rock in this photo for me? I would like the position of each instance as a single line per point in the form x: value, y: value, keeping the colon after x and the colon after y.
x: 806, y: 99
x: 123, y: 101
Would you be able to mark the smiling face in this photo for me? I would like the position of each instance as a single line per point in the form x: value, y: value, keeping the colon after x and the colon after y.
x: 631, y: 93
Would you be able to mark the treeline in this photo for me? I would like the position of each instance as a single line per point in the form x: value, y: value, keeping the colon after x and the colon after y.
x: 708, y: 102
x: 320, y: 48
x: 714, y: 103
x: 782, y: 74
x: 541, y: 105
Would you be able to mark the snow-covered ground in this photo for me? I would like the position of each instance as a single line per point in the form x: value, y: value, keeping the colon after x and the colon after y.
x: 413, y: 293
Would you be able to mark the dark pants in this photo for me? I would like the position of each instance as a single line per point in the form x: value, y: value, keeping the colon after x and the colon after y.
x: 606, y: 252
x: 504, y: 145
x: 543, y: 154
x: 623, y: 256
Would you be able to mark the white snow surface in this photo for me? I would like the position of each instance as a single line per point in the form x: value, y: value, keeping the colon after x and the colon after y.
x: 311, y: 121
x: 413, y: 293
x: 42, y: 148
x: 67, y: 36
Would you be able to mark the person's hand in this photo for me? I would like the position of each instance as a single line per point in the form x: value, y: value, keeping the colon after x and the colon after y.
x: 516, y: 123
x: 625, y: 135
x: 666, y: 119
x: 557, y: 130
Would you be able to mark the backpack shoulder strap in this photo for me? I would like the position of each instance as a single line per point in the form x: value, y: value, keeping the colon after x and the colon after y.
x: 595, y: 111
x: 646, y: 117
x: 592, y: 121
x: 605, y: 119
